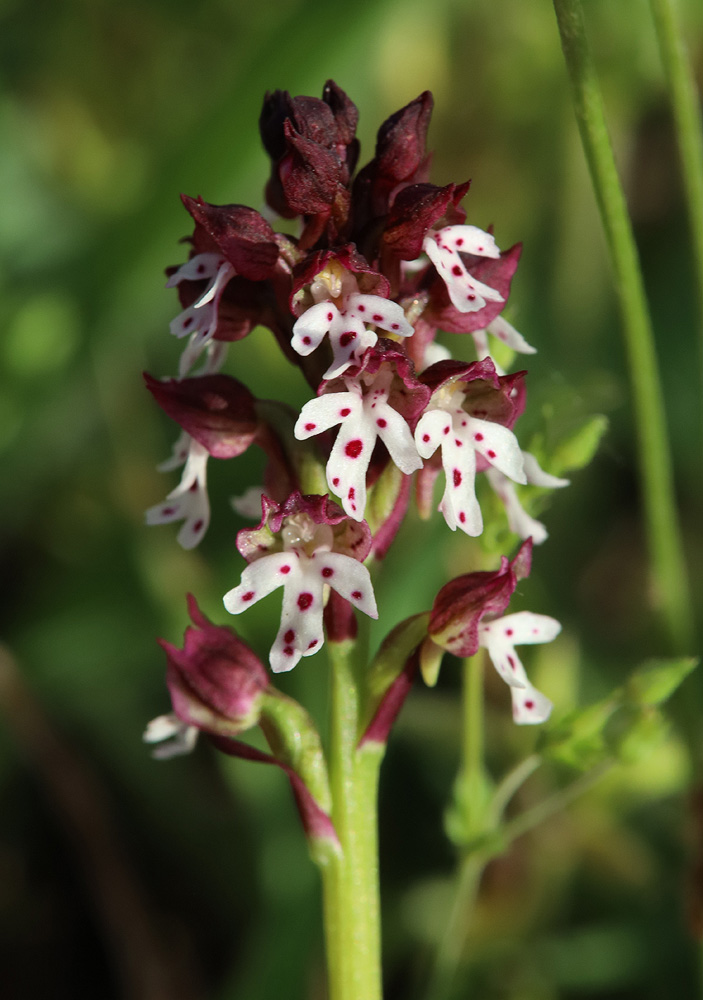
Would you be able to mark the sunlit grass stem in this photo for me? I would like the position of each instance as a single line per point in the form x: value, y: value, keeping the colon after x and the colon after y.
x: 669, y: 575
x: 689, y: 133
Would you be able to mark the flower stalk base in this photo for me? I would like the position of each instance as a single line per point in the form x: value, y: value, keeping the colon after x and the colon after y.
x: 350, y: 882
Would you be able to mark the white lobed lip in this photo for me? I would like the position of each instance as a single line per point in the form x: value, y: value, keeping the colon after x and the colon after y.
x: 306, y: 580
x: 499, y: 637
x: 460, y: 437
x: 349, y: 328
x: 363, y: 417
x: 444, y: 248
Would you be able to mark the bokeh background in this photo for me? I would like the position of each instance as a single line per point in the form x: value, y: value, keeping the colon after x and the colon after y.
x: 121, y: 877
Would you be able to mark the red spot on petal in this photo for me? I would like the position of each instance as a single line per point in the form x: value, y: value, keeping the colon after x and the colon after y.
x: 377, y: 318
x: 457, y: 270
x: 381, y: 422
x: 167, y: 511
x: 471, y: 297
x: 478, y: 437
x: 511, y: 661
x: 425, y: 437
x: 462, y: 516
x: 361, y: 309
x: 446, y: 430
x: 330, y: 316
x: 312, y: 644
x: 187, y: 322
x: 200, y: 269
x: 457, y: 477
x: 395, y: 326
x: 304, y: 601
x: 198, y: 524
x: 529, y: 704
x: 491, y: 453
x: 285, y: 569
x: 289, y: 636
x: 460, y: 241
x: 328, y: 572
x: 345, y: 412
x: 248, y: 596
x: 357, y: 595
x: 306, y: 340
x: 347, y: 338
x: 352, y: 493
x: 479, y: 249
x: 287, y: 651
x: 508, y: 631
x: 354, y: 448
x: 310, y: 427
x: 458, y: 443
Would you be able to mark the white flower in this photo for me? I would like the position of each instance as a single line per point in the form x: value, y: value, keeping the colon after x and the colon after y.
x: 363, y: 416
x: 503, y: 331
x: 306, y: 569
x: 499, y: 637
x: 444, y: 248
x: 347, y: 328
x: 189, y: 501
x: 519, y: 520
x: 446, y: 425
x: 173, y: 736
x: 200, y: 319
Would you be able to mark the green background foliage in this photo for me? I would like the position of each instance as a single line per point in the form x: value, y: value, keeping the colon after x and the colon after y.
x: 107, y: 112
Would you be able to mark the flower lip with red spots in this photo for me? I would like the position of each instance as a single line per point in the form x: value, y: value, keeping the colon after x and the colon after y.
x: 376, y: 399
x: 496, y: 273
x: 303, y: 546
x: 466, y: 615
x: 468, y: 420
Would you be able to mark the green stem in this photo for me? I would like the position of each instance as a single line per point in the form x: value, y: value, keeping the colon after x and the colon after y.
x: 689, y: 131
x: 471, y: 793
x: 472, y: 768
x: 664, y: 540
x: 350, y: 883
x: 512, y: 783
x: 548, y: 807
